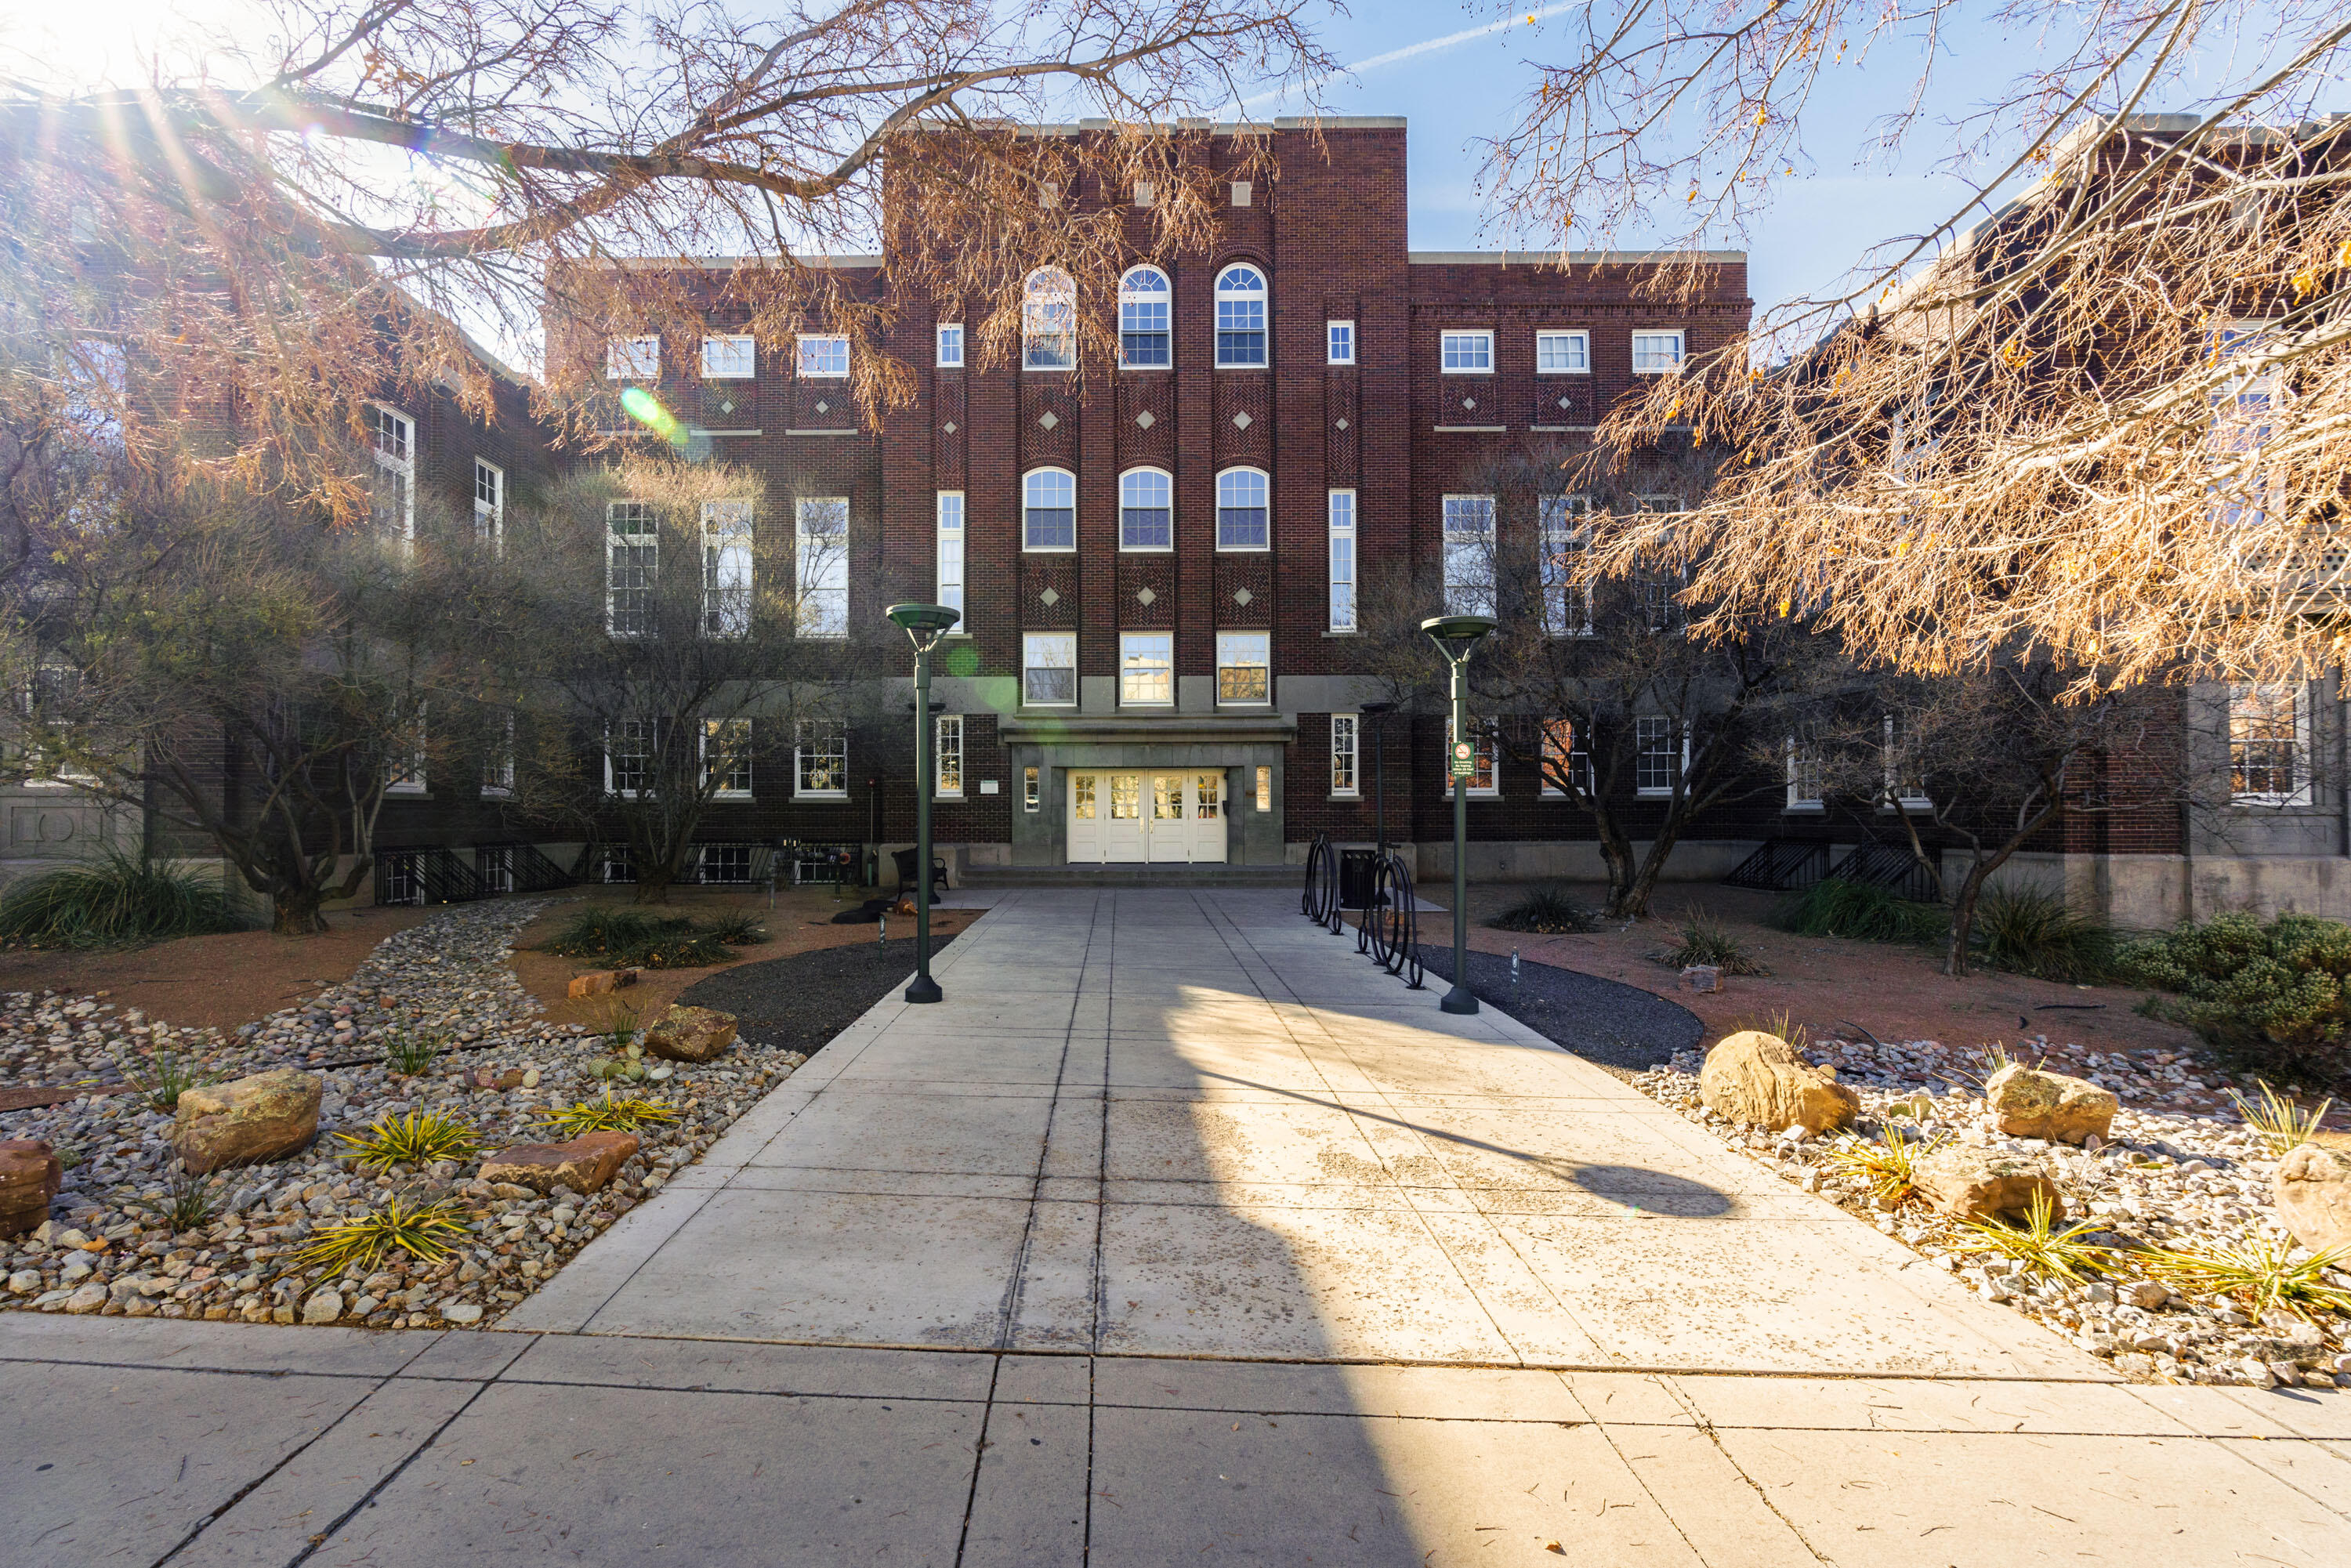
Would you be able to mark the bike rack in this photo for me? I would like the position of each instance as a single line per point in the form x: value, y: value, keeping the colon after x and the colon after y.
x: 1389, y: 932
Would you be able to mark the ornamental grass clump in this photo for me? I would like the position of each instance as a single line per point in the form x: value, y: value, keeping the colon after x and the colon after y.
x: 418, y: 1138
x: 633, y: 939
x: 112, y: 901
x: 1834, y: 907
x: 610, y: 1113
x: 2261, y: 1272
x: 2278, y: 1121
x: 1547, y: 912
x: 2271, y: 997
x: 185, y: 1202
x: 353, y: 1245
x: 2039, y: 1244
x: 2033, y: 931
x: 163, y: 1076
x: 1704, y: 941
x: 411, y: 1053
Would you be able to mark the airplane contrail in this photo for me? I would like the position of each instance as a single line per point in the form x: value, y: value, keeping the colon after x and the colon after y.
x: 1425, y: 47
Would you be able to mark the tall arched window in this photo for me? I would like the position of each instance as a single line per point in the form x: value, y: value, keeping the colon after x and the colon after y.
x: 1049, y: 321
x: 1147, y: 514
x: 1240, y: 315
x: 1143, y: 301
x: 1048, y: 509
x: 1241, y: 509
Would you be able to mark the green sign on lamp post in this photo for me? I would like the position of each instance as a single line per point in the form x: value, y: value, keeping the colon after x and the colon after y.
x: 1456, y: 636
x: 926, y: 624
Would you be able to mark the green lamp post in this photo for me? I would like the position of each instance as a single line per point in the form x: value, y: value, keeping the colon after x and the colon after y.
x: 926, y: 624
x: 1456, y: 636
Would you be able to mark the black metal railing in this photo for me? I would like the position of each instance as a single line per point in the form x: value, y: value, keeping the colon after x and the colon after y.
x: 518, y: 868
x: 1781, y: 865
x: 1889, y: 866
x: 425, y: 876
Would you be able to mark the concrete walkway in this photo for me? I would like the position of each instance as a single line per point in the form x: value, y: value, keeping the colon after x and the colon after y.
x: 1178, y: 1233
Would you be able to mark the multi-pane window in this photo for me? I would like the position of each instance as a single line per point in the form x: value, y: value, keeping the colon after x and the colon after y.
x: 820, y: 758
x: 1345, y: 733
x: 629, y: 757
x: 726, y: 569
x: 489, y: 503
x: 1468, y: 555
x: 1032, y: 788
x: 632, y: 359
x: 1244, y: 667
x: 1482, y: 778
x: 821, y: 529
x: 620, y: 863
x: 1905, y: 773
x: 1656, y: 353
x: 631, y: 558
x: 825, y: 354
x: 950, y: 345
x: 1147, y: 514
x: 1566, y: 766
x: 946, y: 755
x: 498, y: 757
x: 393, y: 439
x: 1241, y: 509
x: 2268, y: 744
x: 1466, y: 353
x: 1339, y: 340
x: 1264, y: 787
x: 1146, y: 669
x: 2241, y: 423
x: 1240, y: 316
x: 408, y: 758
x: 736, y: 357
x: 1048, y: 669
x: 1658, y: 755
x: 1806, y: 768
x: 1562, y: 353
x: 1567, y: 604
x: 727, y: 757
x: 1048, y: 509
x: 1660, y: 585
x: 950, y: 586
x: 1342, y: 560
x: 1049, y: 321
x: 1143, y: 301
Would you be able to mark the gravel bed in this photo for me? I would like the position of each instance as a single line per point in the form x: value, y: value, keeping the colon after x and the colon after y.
x: 102, y: 1252
x: 798, y: 1003
x: 2176, y: 1173
x: 1603, y: 1020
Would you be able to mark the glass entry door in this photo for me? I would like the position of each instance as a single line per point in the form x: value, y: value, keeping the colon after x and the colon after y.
x: 1165, y: 816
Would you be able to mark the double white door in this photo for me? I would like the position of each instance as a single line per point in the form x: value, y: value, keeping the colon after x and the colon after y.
x: 1142, y: 816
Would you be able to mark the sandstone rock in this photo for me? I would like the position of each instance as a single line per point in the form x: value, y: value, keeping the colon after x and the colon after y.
x: 583, y: 1164
x: 323, y: 1307
x: 1758, y: 1079
x: 690, y: 1034
x: 89, y: 1299
x: 462, y: 1313
x: 2313, y: 1193
x: 602, y: 982
x: 2031, y: 1104
x: 1968, y: 1183
x: 29, y: 1175
x: 265, y: 1117
x: 1702, y: 978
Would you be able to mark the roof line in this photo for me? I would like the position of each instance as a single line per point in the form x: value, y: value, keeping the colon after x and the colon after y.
x: 1573, y: 257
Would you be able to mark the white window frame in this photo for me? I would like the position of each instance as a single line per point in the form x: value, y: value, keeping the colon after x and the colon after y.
x: 1888, y: 752
x: 950, y: 346
x: 490, y: 505
x: 946, y: 757
x: 727, y: 565
x: 1134, y: 297
x: 1645, y: 727
x: 1134, y: 643
x: 2270, y: 697
x: 1346, y: 757
x: 648, y: 736
x: 1245, y: 651
x: 1049, y: 321
x: 953, y: 539
x: 1646, y: 340
x: 1167, y: 495
x: 1344, y: 559
x: 1239, y: 295
x: 648, y: 586
x: 1465, y: 350
x: 414, y: 781
x: 1032, y: 788
x: 1578, y: 761
x: 1339, y: 342
x: 1579, y: 337
x: 1464, y: 596
x: 820, y: 582
x: 738, y: 757
x: 396, y: 460
x: 499, y: 765
x: 1062, y: 647
x: 632, y: 359
x: 1029, y: 505
x: 832, y: 738
x: 730, y: 357
x: 814, y: 359
x: 1806, y: 767
x: 1562, y: 528
x: 1487, y: 759
x: 1264, y: 479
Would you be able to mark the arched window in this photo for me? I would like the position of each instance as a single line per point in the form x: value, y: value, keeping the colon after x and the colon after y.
x: 1146, y: 516
x: 1241, y: 509
x: 1143, y: 301
x: 1240, y: 315
x: 1049, y: 321
x: 1048, y: 510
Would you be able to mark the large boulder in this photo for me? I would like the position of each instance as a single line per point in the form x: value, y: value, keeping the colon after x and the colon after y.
x: 583, y: 1164
x: 1968, y: 1183
x: 1758, y: 1079
x: 265, y: 1117
x: 690, y: 1034
x: 2313, y: 1191
x: 29, y: 1176
x: 2031, y: 1104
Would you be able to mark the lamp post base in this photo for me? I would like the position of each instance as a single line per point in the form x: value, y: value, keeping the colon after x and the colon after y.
x: 925, y: 989
x: 1459, y: 1000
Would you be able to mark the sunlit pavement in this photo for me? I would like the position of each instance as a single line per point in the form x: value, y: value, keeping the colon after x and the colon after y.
x: 1178, y: 1232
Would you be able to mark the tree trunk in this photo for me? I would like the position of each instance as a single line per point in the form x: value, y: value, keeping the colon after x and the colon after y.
x: 1617, y: 854
x: 1963, y: 917
x: 293, y: 911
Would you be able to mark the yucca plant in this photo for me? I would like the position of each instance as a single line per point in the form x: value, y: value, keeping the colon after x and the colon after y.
x: 1704, y: 941
x: 1890, y: 1166
x: 411, y: 1053
x: 186, y: 1201
x: 608, y: 1114
x: 354, y: 1246
x: 2260, y: 1271
x: 164, y: 1076
x: 416, y: 1139
x: 2277, y: 1120
x: 1548, y: 912
x: 2039, y: 1244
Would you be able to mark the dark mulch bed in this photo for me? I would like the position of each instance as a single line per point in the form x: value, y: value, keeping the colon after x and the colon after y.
x: 1602, y: 1020
x: 802, y: 1002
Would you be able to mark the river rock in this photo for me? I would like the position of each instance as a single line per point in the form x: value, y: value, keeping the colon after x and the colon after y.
x: 2031, y: 1103
x: 690, y: 1034
x: 1758, y: 1079
x: 30, y: 1174
x: 2313, y: 1192
x: 1968, y: 1183
x: 265, y: 1117
x: 583, y: 1164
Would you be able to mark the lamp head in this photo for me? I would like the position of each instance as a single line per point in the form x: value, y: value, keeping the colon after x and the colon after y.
x: 1457, y: 634
x: 926, y: 624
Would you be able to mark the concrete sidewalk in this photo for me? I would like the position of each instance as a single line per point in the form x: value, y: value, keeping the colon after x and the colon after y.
x: 1178, y: 1232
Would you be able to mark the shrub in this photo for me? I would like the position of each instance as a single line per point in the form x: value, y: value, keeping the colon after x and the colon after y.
x: 609, y: 1114
x: 2031, y: 931
x: 1548, y: 912
x: 112, y: 901
x: 2272, y: 998
x: 633, y: 939
x: 416, y: 1139
x: 1834, y: 907
x: 354, y: 1246
x: 1705, y: 942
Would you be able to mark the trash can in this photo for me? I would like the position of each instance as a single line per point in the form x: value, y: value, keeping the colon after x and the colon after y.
x: 1358, y: 876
